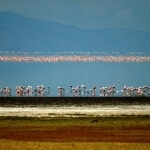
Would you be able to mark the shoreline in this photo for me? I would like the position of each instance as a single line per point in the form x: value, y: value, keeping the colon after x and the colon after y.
x: 71, y: 101
x: 74, y: 106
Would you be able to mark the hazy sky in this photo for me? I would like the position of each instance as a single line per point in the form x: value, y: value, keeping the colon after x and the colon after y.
x: 91, y: 14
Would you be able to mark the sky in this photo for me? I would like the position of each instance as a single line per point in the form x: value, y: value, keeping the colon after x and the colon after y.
x: 86, y: 14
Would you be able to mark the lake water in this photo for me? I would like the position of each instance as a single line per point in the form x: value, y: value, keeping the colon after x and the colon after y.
x: 65, y: 74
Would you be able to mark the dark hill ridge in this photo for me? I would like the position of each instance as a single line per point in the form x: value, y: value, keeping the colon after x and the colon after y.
x: 19, y: 33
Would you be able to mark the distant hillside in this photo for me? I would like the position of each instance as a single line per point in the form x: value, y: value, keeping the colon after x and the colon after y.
x: 19, y: 33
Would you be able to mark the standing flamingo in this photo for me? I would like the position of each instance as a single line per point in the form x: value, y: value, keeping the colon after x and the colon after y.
x: 61, y: 91
x: 7, y: 91
x: 1, y: 92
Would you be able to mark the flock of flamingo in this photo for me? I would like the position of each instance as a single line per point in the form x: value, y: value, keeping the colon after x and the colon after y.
x: 78, y: 91
x: 75, y: 58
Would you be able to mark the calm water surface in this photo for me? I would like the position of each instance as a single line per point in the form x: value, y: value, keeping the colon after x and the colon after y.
x: 74, y: 73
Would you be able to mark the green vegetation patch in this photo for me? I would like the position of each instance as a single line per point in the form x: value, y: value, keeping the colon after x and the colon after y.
x: 121, y: 121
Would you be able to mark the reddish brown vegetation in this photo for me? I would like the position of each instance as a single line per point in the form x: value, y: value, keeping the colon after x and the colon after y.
x: 78, y: 134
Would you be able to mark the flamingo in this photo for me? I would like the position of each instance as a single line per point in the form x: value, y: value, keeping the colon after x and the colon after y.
x: 48, y: 90
x: 71, y: 89
x: 101, y: 91
x: 29, y: 91
x: 83, y: 90
x: 40, y: 91
x: 61, y: 91
x: 75, y: 91
x: 20, y: 91
x: 1, y: 92
x: 107, y: 91
x: 92, y: 91
x: 124, y: 90
x: 7, y: 91
x: 148, y: 91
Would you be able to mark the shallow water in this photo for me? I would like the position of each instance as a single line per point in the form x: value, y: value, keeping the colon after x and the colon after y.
x: 74, y: 73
